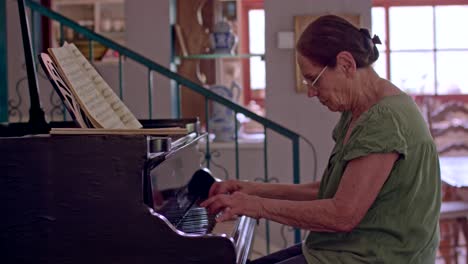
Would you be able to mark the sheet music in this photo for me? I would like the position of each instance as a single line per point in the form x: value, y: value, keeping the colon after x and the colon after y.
x: 98, y: 99
x: 126, y: 117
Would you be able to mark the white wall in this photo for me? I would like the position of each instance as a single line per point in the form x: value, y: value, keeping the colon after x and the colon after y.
x: 148, y: 33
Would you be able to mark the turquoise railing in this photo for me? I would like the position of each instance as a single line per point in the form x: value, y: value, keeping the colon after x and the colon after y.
x: 3, y: 65
x: 180, y: 81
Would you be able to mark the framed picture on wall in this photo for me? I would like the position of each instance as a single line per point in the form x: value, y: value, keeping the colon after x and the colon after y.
x: 300, y: 24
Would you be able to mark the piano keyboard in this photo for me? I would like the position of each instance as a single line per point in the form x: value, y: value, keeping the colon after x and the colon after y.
x: 197, y: 221
x: 182, y: 212
x: 176, y: 197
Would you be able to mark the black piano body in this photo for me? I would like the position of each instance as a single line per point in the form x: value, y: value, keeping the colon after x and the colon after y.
x: 81, y: 199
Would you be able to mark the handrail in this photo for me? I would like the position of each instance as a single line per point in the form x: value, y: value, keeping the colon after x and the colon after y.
x: 3, y: 64
x: 160, y: 69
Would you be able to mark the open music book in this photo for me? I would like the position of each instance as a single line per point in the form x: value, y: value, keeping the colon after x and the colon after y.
x: 99, y: 102
x: 89, y: 99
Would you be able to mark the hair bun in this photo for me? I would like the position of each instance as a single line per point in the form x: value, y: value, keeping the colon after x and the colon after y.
x: 376, y: 40
x: 326, y: 36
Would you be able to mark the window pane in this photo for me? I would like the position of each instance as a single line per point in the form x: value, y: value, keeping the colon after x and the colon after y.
x: 378, y: 26
x: 450, y: 32
x: 413, y: 72
x: 380, y: 66
x: 257, y: 31
x: 257, y: 45
x: 411, y: 28
x: 451, y: 75
x: 257, y: 73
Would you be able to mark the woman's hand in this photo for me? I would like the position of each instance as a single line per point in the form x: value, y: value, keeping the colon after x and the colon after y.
x: 231, y: 205
x: 227, y: 187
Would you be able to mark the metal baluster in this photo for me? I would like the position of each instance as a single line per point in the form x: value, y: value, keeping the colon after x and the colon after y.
x: 150, y: 93
x: 3, y: 64
x: 62, y: 34
x: 207, y: 152
x: 91, y: 52
x: 296, y: 180
x: 265, y: 164
x: 236, y: 136
x: 120, y: 77
x: 177, y: 96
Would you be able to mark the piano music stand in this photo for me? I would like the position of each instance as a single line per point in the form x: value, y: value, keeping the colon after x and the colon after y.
x: 64, y: 92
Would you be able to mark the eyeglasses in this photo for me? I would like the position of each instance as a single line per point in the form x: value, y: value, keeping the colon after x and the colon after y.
x: 310, y: 83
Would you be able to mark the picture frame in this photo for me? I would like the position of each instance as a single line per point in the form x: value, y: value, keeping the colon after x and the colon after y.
x: 300, y: 24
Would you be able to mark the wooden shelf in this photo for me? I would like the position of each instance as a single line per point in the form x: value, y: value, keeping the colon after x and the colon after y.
x: 105, y: 17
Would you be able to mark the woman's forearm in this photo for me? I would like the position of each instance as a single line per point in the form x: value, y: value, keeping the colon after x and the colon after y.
x: 295, y: 192
x: 359, y: 187
x: 319, y: 215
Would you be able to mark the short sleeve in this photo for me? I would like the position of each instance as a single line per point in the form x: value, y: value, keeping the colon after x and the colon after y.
x: 379, y: 131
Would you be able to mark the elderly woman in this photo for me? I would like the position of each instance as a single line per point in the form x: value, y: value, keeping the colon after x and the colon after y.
x: 379, y: 198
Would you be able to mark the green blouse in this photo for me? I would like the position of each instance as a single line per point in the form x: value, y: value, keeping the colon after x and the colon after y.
x: 401, y: 226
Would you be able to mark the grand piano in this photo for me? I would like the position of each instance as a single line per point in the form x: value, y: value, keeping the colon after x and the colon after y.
x: 108, y: 198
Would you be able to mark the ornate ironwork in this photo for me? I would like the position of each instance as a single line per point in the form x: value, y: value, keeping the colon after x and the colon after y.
x: 57, y: 107
x: 273, y: 179
x: 290, y: 229
x: 215, y: 154
x: 13, y: 106
x: 14, y: 103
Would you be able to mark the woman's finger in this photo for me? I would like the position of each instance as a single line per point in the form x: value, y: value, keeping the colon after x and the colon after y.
x: 227, y: 214
x: 219, y: 204
x: 214, y: 189
x: 208, y: 201
x: 216, y: 203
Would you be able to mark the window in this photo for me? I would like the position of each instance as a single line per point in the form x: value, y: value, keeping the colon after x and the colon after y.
x: 424, y: 49
x: 253, y: 42
x: 423, y: 52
